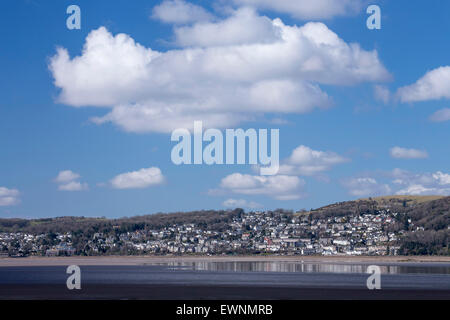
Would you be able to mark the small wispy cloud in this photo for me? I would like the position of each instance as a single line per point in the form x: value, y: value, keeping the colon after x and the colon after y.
x: 441, y: 115
x: 280, y: 187
x: 366, y: 187
x: 404, y: 153
x: 382, y: 94
x: 68, y: 180
x: 9, y: 197
x: 140, y: 179
x: 241, y: 203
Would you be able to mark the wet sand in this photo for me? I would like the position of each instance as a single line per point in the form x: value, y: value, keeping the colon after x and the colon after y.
x: 142, y: 260
x: 194, y: 292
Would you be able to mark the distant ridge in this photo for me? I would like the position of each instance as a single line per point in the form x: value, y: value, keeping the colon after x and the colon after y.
x: 365, y: 205
x: 401, y: 198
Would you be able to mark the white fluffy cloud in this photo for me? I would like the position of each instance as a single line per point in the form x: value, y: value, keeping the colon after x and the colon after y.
x: 66, y: 176
x: 179, y: 12
x: 308, y: 162
x: 416, y: 190
x: 223, y: 79
x: 307, y: 9
x: 9, y: 197
x: 401, y: 182
x: 366, y: 187
x: 434, y: 85
x: 244, y: 26
x: 233, y: 203
x: 437, y: 183
x: 138, y: 179
x: 442, y: 179
x: 286, y: 185
x: 441, y: 115
x: 112, y: 70
x: 67, y: 181
x: 403, y: 153
x: 73, y: 186
x: 280, y: 187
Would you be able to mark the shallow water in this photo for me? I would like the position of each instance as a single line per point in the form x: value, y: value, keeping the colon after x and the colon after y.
x: 268, y: 274
x: 308, y: 267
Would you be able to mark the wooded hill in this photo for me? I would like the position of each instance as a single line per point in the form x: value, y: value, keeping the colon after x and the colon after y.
x: 424, y: 220
x: 216, y: 220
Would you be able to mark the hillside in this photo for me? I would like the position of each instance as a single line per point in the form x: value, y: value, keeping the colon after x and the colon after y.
x: 429, y: 212
x: 372, y: 205
x: 213, y: 219
x: 425, y: 220
x: 421, y: 224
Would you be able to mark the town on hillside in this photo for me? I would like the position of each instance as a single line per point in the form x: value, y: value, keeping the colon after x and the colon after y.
x: 249, y: 233
x: 385, y: 226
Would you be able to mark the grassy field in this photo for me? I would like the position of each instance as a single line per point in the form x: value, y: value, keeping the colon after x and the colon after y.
x: 400, y: 198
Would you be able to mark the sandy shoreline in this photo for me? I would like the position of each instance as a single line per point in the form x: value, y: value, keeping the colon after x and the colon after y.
x: 142, y: 260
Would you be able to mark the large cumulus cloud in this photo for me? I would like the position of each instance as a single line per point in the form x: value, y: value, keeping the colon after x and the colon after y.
x: 223, y: 79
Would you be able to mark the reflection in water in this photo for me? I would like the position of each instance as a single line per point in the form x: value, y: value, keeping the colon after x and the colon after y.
x: 277, y: 266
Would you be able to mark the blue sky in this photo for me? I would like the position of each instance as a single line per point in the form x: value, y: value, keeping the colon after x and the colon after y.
x: 56, y: 160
